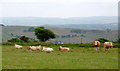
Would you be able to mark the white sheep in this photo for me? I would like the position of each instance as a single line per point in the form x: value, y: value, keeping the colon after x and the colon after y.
x: 47, y: 49
x: 18, y: 46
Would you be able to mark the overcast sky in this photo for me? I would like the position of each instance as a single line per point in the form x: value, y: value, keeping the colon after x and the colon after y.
x: 58, y: 8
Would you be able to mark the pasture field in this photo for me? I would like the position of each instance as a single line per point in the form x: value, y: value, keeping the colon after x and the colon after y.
x: 0, y: 57
x: 77, y: 58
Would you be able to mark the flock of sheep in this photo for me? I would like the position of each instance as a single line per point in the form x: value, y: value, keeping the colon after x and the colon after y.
x: 32, y: 48
x: 107, y: 45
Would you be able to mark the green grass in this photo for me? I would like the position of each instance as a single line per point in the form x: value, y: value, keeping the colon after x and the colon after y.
x: 0, y: 57
x: 77, y: 58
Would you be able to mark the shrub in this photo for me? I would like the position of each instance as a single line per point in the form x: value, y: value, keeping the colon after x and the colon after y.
x: 13, y: 40
x: 102, y: 40
x: 24, y: 38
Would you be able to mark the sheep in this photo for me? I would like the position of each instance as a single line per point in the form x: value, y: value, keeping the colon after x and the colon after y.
x: 96, y: 45
x: 18, y: 46
x: 108, y: 45
x: 38, y: 47
x: 29, y: 48
x: 47, y: 49
x: 64, y: 49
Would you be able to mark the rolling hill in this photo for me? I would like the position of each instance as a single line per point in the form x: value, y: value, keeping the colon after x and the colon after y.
x: 98, y: 22
x: 66, y: 35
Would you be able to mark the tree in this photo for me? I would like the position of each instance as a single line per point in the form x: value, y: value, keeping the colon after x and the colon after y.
x: 102, y: 40
x: 44, y: 34
x: 24, y: 38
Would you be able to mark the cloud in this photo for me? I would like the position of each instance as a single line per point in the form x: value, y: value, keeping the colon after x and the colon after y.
x: 59, y: 10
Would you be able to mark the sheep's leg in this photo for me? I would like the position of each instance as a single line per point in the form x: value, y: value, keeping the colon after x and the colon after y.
x: 96, y: 48
x: 30, y: 50
x: 104, y: 49
x: 27, y: 50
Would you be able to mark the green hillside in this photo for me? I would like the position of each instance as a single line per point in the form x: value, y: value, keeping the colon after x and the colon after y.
x: 66, y: 35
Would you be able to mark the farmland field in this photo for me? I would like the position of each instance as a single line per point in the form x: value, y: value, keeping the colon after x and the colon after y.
x: 77, y: 58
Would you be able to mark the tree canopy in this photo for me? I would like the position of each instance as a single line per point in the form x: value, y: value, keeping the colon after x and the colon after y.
x: 102, y: 40
x: 44, y: 34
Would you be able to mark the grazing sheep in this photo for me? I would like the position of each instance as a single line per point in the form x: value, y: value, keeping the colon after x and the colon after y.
x: 47, y: 49
x: 18, y: 46
x: 38, y: 47
x: 96, y: 45
x: 108, y: 45
x: 29, y: 48
x: 64, y: 49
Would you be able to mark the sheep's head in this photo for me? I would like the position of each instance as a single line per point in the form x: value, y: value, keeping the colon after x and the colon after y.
x: 43, y: 48
x: 96, y: 42
x: 60, y: 48
x: 28, y: 47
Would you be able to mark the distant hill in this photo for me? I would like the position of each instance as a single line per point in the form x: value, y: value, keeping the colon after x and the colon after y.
x: 98, y: 23
x: 66, y: 35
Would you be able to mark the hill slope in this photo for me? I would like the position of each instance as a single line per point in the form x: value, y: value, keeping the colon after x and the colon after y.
x: 100, y: 22
x: 66, y: 35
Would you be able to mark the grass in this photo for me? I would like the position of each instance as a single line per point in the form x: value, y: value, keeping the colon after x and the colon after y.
x: 0, y: 57
x: 77, y: 58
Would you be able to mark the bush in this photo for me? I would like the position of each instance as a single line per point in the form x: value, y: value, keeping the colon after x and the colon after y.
x: 118, y: 40
x: 102, y: 40
x: 24, y: 38
x: 13, y: 40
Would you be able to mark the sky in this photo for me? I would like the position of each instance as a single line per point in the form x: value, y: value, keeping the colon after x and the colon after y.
x: 58, y: 8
